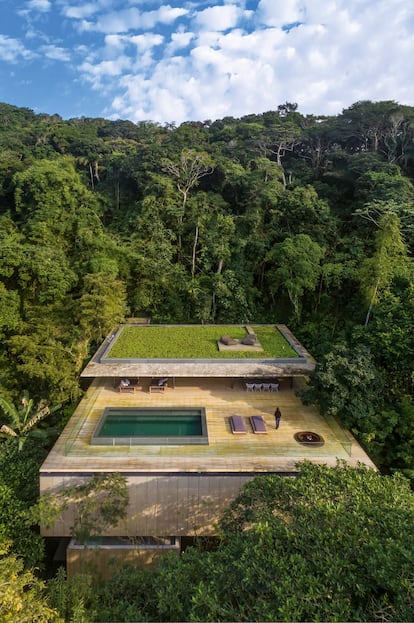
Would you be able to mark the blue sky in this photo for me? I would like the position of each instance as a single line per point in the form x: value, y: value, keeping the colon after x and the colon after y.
x: 206, y: 59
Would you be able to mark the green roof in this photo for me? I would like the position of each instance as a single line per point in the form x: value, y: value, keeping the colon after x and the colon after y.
x: 197, y: 342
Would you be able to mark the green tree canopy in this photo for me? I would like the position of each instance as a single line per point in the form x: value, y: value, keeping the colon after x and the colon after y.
x: 347, y: 384
x: 388, y: 261
x: 296, y: 267
x: 332, y: 544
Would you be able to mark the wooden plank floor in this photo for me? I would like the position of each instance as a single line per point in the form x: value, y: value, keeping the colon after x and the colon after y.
x: 276, y: 451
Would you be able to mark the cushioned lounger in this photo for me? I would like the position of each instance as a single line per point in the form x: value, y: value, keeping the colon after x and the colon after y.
x: 258, y: 424
x: 237, y: 425
x: 158, y: 385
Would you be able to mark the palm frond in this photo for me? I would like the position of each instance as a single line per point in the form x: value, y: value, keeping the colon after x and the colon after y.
x: 9, y: 431
x: 36, y: 418
x: 10, y: 410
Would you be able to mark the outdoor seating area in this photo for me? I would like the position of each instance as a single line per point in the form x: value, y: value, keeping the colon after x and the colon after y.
x: 261, y: 387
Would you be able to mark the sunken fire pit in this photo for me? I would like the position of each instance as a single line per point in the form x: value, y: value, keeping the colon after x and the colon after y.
x: 307, y: 438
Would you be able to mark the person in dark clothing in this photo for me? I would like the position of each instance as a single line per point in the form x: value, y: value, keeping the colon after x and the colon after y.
x: 278, y: 416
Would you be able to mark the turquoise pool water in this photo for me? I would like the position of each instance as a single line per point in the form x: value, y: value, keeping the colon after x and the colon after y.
x: 129, y: 425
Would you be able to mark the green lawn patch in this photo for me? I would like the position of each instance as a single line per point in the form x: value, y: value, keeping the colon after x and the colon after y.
x: 196, y: 342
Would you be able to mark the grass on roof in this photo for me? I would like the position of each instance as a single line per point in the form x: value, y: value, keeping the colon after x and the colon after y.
x: 196, y: 342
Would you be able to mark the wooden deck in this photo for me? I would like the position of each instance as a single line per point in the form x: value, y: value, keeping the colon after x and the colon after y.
x: 276, y: 451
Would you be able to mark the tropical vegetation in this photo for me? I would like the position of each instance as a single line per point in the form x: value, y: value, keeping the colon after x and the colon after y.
x: 273, y: 218
x: 332, y: 544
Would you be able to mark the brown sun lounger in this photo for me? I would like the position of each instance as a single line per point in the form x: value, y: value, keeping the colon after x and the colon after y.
x: 258, y: 424
x: 237, y: 425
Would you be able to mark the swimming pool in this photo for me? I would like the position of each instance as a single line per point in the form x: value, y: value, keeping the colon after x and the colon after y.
x: 146, y: 426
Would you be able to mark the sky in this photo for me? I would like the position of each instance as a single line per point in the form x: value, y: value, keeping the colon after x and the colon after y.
x: 198, y: 60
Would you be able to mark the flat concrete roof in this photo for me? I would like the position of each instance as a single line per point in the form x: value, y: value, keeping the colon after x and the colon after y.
x: 100, y: 366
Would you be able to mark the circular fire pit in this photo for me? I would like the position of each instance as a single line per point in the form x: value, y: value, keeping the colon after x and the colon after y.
x: 307, y: 438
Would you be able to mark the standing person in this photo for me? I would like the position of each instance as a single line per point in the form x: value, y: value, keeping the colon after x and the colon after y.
x: 278, y: 416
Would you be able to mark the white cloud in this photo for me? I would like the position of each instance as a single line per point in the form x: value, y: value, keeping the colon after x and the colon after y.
x: 219, y: 18
x: 280, y: 12
x: 339, y: 54
x: 115, y: 43
x: 97, y: 71
x: 119, y: 22
x: 179, y: 41
x: 82, y: 11
x: 200, y: 59
x: 168, y: 15
x: 118, y: 44
x: 44, y: 6
x: 132, y: 18
x: 147, y: 41
x: 12, y: 51
x: 55, y: 53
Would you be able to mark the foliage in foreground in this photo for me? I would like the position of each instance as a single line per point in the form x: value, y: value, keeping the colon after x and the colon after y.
x: 22, y: 596
x: 333, y: 544
x: 24, y: 418
x: 19, y: 488
x: 97, y: 504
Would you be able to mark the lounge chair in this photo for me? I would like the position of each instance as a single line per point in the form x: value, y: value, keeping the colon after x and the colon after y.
x: 237, y: 425
x: 258, y: 424
x: 126, y: 385
x: 158, y: 385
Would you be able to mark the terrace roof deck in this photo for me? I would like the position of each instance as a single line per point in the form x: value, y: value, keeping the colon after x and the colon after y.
x: 103, y: 366
x: 226, y: 453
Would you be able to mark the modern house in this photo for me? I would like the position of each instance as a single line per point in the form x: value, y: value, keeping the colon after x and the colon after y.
x: 188, y: 431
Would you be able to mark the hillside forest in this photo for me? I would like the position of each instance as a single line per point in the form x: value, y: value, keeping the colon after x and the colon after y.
x: 277, y: 217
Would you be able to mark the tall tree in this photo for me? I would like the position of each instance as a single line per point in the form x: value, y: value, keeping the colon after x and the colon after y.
x: 102, y: 305
x: 388, y: 261
x: 296, y: 267
x: 187, y: 172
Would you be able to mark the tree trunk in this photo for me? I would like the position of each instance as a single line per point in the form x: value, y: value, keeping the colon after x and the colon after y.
x: 91, y: 176
x: 193, y: 260
x: 371, y: 304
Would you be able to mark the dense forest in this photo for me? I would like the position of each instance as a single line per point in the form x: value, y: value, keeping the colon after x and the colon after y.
x: 274, y: 217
